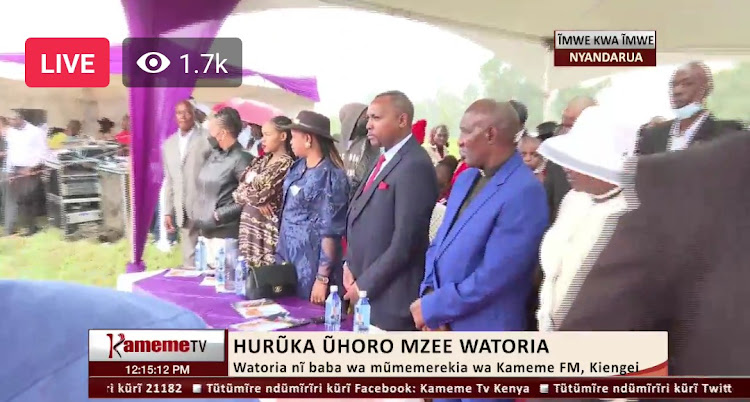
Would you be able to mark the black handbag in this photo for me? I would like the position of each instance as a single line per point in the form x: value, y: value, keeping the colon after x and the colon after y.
x: 271, y: 281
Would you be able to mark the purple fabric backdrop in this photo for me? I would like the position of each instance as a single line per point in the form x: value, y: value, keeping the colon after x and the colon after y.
x: 151, y: 109
x: 306, y: 87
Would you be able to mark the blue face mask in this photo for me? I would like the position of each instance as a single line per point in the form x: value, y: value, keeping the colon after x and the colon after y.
x: 688, y: 111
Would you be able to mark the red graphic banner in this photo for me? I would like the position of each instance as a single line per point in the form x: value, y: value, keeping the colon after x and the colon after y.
x: 605, y: 57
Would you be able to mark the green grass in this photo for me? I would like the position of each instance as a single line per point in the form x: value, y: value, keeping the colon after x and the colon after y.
x: 47, y: 256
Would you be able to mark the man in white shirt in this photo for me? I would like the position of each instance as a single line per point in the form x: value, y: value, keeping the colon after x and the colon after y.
x: 26, y: 150
x: 183, y: 154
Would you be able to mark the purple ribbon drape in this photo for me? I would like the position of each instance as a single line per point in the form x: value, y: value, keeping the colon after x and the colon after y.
x: 151, y: 108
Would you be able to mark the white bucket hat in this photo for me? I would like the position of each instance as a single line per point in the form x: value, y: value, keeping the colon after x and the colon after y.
x: 597, y: 146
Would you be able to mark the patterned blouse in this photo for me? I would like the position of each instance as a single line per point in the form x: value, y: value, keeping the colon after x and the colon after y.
x: 313, y: 221
x: 260, y: 185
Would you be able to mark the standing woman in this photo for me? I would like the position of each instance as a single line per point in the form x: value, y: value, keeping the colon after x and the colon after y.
x: 438, y: 147
x: 260, y: 193
x: 217, y: 216
x: 313, y: 217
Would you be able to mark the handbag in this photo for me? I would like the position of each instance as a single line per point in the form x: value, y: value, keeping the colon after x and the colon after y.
x: 271, y: 281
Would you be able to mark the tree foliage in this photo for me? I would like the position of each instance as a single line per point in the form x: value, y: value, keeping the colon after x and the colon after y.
x: 730, y: 97
x: 500, y: 81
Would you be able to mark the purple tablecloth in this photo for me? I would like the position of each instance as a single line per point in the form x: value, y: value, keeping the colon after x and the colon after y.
x: 216, y: 308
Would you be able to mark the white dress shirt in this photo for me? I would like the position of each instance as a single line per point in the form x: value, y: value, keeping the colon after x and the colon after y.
x: 184, y: 140
x: 245, y: 135
x: 679, y: 142
x: 26, y: 146
x: 388, y: 155
x: 255, y: 148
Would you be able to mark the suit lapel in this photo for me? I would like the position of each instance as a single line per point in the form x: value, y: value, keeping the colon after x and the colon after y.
x: 458, y: 195
x: 193, y: 136
x: 362, y: 184
x: 706, y: 131
x: 489, y: 190
x: 363, y: 196
x: 661, y: 139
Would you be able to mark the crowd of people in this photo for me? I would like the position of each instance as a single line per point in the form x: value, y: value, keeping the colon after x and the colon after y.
x: 509, y: 236
x: 599, y: 222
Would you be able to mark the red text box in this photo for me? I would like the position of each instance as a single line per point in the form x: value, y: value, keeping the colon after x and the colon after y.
x: 67, y: 62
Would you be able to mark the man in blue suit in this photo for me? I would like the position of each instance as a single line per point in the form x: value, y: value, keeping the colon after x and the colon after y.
x: 479, y: 268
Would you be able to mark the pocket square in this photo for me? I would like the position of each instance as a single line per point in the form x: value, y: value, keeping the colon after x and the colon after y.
x: 383, y: 186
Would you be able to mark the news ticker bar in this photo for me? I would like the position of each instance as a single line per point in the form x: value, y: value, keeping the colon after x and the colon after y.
x: 372, y: 387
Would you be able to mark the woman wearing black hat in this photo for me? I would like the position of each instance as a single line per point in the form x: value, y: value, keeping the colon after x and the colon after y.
x: 313, y: 217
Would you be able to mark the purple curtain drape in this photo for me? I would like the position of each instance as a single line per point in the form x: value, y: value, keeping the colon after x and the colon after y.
x: 151, y: 109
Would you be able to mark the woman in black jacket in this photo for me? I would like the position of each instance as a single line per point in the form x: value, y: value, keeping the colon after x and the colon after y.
x: 217, y: 215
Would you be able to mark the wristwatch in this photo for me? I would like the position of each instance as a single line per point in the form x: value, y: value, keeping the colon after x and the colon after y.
x: 321, y: 278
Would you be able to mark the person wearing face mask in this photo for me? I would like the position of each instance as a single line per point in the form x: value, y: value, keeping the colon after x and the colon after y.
x: 183, y: 154
x: 217, y: 215
x: 693, y: 123
x: 360, y: 153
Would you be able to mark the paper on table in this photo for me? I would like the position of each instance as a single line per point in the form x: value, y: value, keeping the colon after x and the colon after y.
x: 183, y: 273
x: 267, y: 324
x: 209, y: 281
x: 252, y: 303
x: 260, y: 311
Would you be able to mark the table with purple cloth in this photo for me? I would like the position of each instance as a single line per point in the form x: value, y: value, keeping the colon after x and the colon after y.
x: 216, y: 308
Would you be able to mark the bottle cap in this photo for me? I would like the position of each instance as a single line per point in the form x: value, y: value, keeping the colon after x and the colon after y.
x: 334, y: 288
x: 362, y: 293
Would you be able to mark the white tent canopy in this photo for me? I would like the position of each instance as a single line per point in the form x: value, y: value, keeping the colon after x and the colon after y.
x: 516, y: 31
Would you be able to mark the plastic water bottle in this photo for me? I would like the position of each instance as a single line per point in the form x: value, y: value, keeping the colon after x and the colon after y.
x: 221, y: 267
x: 333, y: 310
x: 240, y: 276
x: 229, y: 273
x: 200, y: 256
x: 362, y: 313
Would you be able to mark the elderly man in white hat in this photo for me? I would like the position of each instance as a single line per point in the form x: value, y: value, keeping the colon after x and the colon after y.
x: 592, y: 155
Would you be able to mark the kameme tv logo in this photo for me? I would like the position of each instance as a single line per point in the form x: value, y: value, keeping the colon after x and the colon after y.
x: 67, y: 62
x: 119, y: 345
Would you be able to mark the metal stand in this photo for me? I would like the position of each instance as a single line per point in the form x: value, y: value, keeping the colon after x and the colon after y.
x: 73, y: 196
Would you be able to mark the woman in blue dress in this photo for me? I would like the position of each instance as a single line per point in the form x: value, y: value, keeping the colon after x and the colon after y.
x: 313, y: 217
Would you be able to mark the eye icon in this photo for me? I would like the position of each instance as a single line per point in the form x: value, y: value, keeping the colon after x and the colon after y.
x: 153, y: 62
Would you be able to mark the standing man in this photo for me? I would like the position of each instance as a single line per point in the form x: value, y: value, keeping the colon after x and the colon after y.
x: 691, y: 84
x: 26, y: 150
x: 479, y: 268
x: 183, y: 153
x: 389, y: 217
x: 361, y: 152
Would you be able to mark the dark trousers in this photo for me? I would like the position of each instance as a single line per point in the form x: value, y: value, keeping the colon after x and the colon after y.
x: 20, y: 200
x: 156, y: 227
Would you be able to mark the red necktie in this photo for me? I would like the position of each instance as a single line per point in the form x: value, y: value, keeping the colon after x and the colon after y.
x: 375, y: 172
